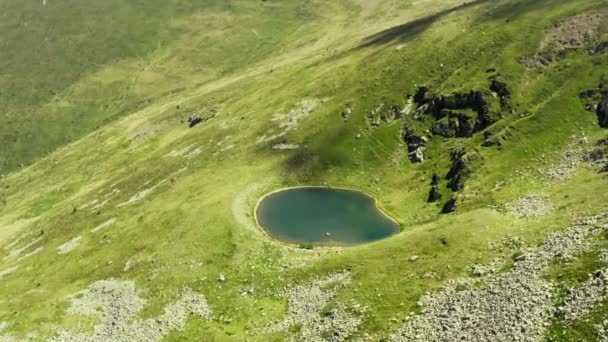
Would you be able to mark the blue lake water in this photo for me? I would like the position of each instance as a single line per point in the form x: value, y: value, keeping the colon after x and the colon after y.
x: 323, y: 216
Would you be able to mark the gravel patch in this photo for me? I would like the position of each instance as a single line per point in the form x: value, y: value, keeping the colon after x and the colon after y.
x: 516, y: 305
x: 306, y: 305
x: 116, y: 305
x: 530, y: 206
x: 69, y: 246
x: 104, y: 225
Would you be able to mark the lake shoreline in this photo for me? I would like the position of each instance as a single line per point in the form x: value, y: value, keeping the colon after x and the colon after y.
x: 377, y: 205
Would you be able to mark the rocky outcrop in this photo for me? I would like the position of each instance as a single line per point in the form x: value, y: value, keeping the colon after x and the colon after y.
x: 596, y: 100
x: 450, y: 206
x: 600, y: 48
x: 434, y: 194
x: 194, y: 120
x: 416, y: 145
x: 379, y: 115
x: 454, y: 125
x: 458, y: 172
x: 501, y: 89
x: 458, y: 115
x: 602, y: 112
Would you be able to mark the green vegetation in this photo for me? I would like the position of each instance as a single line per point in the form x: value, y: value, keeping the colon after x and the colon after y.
x: 96, y: 99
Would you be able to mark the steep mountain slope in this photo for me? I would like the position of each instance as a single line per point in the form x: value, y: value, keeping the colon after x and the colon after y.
x: 487, y: 111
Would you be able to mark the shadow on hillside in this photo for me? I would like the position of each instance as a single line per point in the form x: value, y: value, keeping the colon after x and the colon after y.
x: 413, y: 28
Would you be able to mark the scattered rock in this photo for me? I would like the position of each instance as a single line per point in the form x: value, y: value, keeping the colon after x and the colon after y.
x: 515, y: 305
x: 350, y: 107
x: 305, y: 309
x: 579, y: 301
x: 289, y: 121
x: 69, y: 246
x: 116, y: 305
x: 573, y: 33
x: 570, y: 160
x: 530, y: 206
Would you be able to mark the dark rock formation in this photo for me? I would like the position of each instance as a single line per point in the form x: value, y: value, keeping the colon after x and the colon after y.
x: 434, y: 195
x: 451, y: 107
x: 194, y: 120
x: 450, y: 206
x: 416, y: 145
x: 421, y: 95
x: 500, y: 88
x: 601, y: 48
x: 602, y: 112
x: 596, y: 155
x: 458, y: 172
x: 455, y: 125
x: 436, y: 179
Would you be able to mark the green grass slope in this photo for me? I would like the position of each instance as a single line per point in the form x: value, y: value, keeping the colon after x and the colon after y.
x: 144, y: 198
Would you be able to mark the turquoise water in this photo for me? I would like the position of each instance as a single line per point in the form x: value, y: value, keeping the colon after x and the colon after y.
x: 323, y: 216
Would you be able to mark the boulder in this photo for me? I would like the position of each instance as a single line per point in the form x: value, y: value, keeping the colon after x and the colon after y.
x: 347, y: 111
x: 417, y: 156
x: 434, y: 195
x: 194, y: 120
x: 500, y: 88
x: 450, y: 206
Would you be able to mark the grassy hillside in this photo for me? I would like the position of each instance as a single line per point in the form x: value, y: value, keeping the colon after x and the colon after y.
x: 119, y: 196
